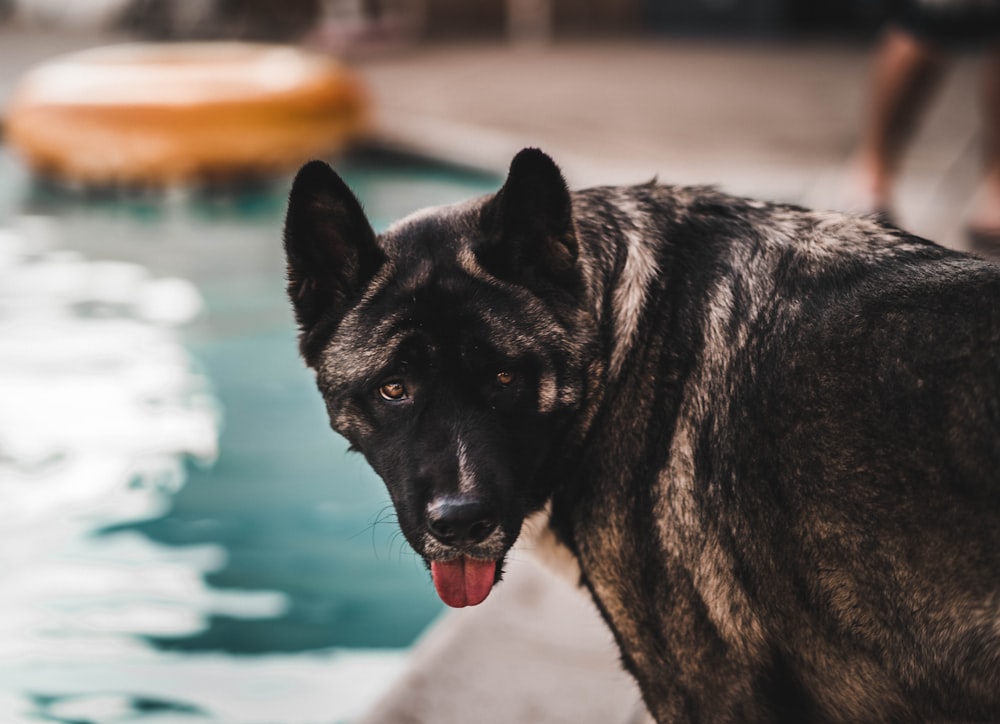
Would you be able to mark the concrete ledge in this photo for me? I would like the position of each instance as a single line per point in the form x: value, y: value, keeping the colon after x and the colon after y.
x: 536, y: 651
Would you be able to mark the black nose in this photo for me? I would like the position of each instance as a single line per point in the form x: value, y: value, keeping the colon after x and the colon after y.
x: 458, y: 520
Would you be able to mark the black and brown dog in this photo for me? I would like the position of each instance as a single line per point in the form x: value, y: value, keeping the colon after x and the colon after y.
x: 769, y: 436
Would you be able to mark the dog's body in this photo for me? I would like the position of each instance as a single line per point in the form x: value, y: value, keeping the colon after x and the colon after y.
x: 771, y: 437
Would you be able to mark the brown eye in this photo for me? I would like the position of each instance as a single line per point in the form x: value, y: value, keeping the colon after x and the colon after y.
x: 505, y: 378
x: 393, y: 391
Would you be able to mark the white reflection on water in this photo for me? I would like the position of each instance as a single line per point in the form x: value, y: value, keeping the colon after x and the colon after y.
x: 100, y: 408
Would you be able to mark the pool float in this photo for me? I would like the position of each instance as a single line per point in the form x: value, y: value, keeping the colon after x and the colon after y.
x: 180, y: 113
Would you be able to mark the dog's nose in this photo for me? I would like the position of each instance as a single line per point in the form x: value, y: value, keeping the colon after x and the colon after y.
x: 457, y: 521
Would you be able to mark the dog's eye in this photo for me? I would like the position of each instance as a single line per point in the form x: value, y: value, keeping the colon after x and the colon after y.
x: 504, y: 378
x: 394, y: 391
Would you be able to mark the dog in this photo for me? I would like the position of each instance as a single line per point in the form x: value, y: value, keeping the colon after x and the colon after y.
x: 769, y: 436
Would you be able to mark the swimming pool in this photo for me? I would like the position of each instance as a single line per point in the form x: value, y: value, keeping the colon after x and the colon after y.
x: 183, y: 537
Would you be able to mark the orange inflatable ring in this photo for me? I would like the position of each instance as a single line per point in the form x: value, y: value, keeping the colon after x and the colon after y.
x: 157, y: 114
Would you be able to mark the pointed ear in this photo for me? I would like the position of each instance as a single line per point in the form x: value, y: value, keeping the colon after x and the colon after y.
x: 330, y: 249
x: 528, y: 234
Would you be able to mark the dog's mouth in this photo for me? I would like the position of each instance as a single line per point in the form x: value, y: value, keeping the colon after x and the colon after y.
x: 463, y: 581
x: 465, y: 576
x: 464, y: 544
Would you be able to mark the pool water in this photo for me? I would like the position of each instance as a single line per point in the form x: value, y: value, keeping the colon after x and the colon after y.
x: 182, y: 537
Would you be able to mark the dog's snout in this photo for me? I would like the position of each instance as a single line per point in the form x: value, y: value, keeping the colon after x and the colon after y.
x: 457, y: 521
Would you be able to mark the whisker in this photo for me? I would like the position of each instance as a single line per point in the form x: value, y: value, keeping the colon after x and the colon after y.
x: 385, y: 515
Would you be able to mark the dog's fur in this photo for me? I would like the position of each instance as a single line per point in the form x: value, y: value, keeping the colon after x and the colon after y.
x: 770, y: 436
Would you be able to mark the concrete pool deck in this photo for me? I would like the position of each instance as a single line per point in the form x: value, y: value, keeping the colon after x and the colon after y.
x: 775, y: 121
x: 778, y: 121
x: 535, y: 652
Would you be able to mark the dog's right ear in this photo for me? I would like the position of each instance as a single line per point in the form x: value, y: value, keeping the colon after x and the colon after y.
x: 330, y: 249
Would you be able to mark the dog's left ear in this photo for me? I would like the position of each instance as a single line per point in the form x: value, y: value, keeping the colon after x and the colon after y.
x: 528, y: 234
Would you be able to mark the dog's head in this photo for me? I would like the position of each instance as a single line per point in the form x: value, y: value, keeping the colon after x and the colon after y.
x: 449, y: 351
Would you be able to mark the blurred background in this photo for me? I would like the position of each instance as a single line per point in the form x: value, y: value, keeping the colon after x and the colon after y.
x: 182, y: 538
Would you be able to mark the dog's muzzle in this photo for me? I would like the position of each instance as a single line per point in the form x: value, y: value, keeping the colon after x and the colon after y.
x: 465, y: 548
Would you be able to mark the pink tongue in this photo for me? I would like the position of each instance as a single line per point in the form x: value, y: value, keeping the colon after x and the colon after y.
x: 463, y: 581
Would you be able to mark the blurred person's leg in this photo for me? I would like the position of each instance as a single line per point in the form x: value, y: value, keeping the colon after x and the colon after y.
x: 985, y: 220
x: 906, y: 72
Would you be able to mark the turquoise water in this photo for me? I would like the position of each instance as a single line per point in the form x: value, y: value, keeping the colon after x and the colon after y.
x: 191, y: 532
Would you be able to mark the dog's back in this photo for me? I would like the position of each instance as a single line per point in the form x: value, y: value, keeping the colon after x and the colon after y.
x: 819, y: 512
